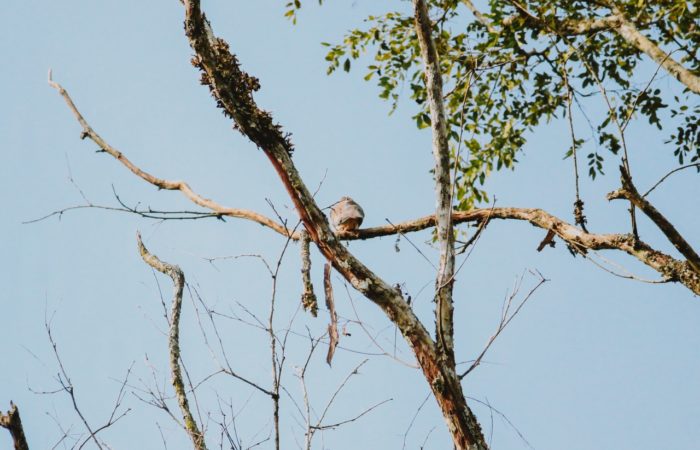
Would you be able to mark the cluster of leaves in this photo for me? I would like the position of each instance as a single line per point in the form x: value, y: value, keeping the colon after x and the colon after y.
x: 508, y: 74
x: 687, y: 136
x: 291, y: 9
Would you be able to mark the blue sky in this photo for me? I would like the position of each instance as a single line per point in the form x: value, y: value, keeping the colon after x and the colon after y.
x: 593, y: 361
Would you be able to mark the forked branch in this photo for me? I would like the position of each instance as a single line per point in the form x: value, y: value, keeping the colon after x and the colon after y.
x: 629, y: 192
x: 233, y: 90
x: 161, y: 183
x: 664, y: 264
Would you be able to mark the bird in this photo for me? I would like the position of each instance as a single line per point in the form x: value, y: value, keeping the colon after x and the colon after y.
x: 346, y: 214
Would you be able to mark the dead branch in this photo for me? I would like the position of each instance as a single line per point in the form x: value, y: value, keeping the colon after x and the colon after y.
x: 308, y: 297
x: 330, y: 304
x: 677, y: 169
x: 319, y: 425
x: 506, y: 317
x: 670, y: 268
x: 277, y: 362
x: 346, y: 421
x: 66, y: 385
x: 12, y: 422
x: 660, y: 262
x: 178, y: 277
x: 161, y: 183
x: 413, y: 419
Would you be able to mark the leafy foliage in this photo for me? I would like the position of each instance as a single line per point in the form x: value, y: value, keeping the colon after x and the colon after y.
x: 508, y: 73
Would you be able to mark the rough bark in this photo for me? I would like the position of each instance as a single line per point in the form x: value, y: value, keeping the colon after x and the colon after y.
x: 233, y: 88
x: 444, y: 282
x: 629, y: 192
x: 178, y: 278
x: 308, y: 297
x: 12, y: 422
x: 673, y: 269
x: 631, y: 34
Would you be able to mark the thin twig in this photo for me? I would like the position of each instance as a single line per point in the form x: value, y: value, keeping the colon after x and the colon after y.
x: 506, y: 318
x: 677, y: 169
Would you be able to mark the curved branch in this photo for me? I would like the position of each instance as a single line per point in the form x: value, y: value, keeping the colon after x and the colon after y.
x: 178, y: 278
x: 580, y: 240
x: 161, y: 183
x: 669, y: 267
x: 677, y: 169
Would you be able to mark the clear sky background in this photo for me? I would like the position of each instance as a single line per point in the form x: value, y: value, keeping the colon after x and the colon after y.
x: 593, y: 361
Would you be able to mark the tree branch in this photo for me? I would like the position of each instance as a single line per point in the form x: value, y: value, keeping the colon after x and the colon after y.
x: 669, y: 267
x: 161, y: 183
x: 444, y: 282
x: 631, y: 34
x: 623, y: 27
x: 629, y: 192
x: 479, y: 16
x: 677, y: 169
x: 233, y: 90
x: 308, y: 297
x: 178, y: 278
x: 12, y: 422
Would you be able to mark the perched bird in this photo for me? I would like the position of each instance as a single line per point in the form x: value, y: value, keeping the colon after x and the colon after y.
x: 346, y: 215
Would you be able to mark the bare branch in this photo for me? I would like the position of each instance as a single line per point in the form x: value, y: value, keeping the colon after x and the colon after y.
x: 308, y: 298
x: 629, y: 192
x: 444, y: 282
x: 506, y: 318
x: 67, y: 386
x: 12, y: 422
x: 178, y: 277
x: 669, y: 267
x: 181, y: 186
x: 330, y: 304
x: 677, y: 169
x: 355, y: 371
x: 343, y: 422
